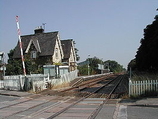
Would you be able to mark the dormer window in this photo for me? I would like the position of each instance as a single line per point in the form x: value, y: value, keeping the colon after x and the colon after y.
x: 33, y: 54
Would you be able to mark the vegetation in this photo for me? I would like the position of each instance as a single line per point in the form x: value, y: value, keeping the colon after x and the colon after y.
x: 113, y: 66
x: 77, y: 56
x: 14, y: 66
x: 132, y: 65
x: 146, y: 58
x: 93, y: 66
x: 144, y: 76
x: 145, y: 64
x: 76, y: 51
x: 83, y: 70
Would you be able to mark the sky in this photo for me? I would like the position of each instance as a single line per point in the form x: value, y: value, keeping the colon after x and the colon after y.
x: 106, y: 29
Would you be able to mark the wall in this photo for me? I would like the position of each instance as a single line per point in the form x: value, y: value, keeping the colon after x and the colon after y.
x: 38, y: 82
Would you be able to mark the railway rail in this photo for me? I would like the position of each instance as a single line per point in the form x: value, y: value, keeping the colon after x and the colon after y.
x: 54, y: 106
x: 117, y: 81
x: 79, y: 85
x: 31, y: 103
x: 94, y: 114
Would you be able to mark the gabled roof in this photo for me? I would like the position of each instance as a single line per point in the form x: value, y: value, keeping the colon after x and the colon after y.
x: 43, y: 42
x: 35, y: 43
x: 66, y: 45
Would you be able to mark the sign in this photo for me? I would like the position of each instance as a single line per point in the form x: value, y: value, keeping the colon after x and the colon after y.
x: 101, y: 66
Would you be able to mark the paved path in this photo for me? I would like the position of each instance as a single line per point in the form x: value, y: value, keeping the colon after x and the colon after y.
x: 146, y: 108
x: 44, y: 106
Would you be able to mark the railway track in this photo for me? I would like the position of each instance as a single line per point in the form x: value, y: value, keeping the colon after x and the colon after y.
x: 94, y: 114
x: 78, y: 85
x: 59, y: 105
x: 115, y: 81
x: 86, y: 82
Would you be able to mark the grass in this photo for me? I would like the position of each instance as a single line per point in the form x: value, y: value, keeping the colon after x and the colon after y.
x: 144, y: 95
x: 60, y: 86
x: 144, y: 76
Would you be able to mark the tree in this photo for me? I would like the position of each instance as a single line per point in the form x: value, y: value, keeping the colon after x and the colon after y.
x: 93, y: 63
x: 146, y: 57
x: 132, y: 65
x: 113, y: 66
x: 83, y: 70
x: 93, y: 66
x: 76, y: 51
x: 77, y: 56
x: 14, y: 66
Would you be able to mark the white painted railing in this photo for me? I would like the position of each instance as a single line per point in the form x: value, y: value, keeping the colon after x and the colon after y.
x: 38, y: 86
x: 1, y: 84
x: 38, y: 81
x: 65, y: 78
x: 140, y: 87
x: 17, y: 82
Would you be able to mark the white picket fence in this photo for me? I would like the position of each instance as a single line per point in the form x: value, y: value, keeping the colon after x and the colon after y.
x: 137, y: 88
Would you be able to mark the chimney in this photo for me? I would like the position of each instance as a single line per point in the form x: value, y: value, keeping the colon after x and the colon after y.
x: 39, y: 29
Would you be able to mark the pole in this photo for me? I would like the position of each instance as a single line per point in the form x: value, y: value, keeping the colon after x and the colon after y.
x: 3, y: 65
x: 20, y: 44
x: 102, y: 66
x: 88, y: 66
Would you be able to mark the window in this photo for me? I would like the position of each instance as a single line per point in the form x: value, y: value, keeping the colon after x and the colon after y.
x: 33, y: 54
x: 56, y: 53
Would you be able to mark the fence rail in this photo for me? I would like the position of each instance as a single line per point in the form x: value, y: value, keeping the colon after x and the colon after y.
x: 137, y: 88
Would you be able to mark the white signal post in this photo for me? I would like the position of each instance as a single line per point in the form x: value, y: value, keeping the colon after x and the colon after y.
x: 20, y: 43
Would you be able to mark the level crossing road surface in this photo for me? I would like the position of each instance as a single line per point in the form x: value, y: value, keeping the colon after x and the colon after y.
x: 7, y: 98
x: 23, y: 105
